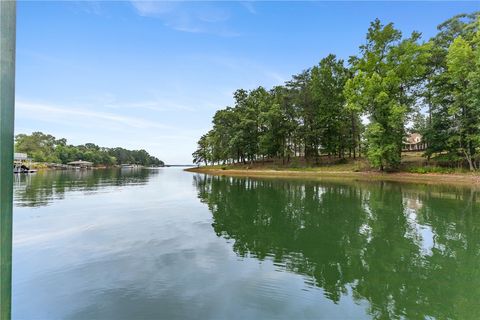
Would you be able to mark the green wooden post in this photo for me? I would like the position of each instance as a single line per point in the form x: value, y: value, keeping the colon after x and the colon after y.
x: 7, y: 106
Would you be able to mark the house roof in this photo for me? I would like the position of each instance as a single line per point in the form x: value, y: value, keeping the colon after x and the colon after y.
x: 80, y: 162
x: 413, y: 138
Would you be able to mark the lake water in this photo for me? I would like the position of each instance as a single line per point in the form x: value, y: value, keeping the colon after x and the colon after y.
x: 167, y: 244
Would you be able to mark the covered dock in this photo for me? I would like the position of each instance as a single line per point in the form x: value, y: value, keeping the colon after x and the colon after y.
x: 81, y: 164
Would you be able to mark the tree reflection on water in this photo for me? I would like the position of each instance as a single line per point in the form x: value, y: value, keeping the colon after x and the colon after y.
x: 410, y: 251
x: 41, y: 188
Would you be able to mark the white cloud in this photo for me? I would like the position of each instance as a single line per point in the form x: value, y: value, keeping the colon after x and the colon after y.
x: 244, y: 68
x: 65, y: 115
x: 149, y: 8
x: 248, y: 5
x: 193, y: 17
x: 152, y: 105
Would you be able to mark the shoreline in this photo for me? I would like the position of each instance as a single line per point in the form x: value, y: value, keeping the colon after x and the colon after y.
x: 472, y: 180
x: 44, y: 168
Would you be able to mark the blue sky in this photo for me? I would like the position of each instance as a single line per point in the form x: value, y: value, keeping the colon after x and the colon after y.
x: 151, y: 74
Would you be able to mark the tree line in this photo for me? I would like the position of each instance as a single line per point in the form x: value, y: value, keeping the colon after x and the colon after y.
x: 364, y: 106
x: 46, y: 148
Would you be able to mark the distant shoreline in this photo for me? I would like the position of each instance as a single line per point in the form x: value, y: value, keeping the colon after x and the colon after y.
x: 428, y: 178
x: 58, y: 167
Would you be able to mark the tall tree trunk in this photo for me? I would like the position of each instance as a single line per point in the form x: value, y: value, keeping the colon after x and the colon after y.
x: 469, y: 160
x: 359, y: 146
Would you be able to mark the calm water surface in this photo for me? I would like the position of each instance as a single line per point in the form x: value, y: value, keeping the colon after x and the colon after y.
x: 167, y: 244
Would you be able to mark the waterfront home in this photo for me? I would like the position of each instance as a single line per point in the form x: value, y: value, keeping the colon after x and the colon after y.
x: 414, y: 142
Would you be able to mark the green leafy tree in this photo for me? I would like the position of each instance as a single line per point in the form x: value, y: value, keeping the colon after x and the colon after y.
x: 289, y: 128
x: 39, y: 146
x: 438, y: 86
x: 203, y: 152
x: 274, y: 131
x: 46, y: 148
x: 463, y: 68
x: 332, y: 119
x: 387, y: 76
x: 307, y: 134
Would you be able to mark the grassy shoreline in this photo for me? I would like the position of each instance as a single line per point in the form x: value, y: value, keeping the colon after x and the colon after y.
x: 329, y: 173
